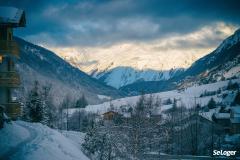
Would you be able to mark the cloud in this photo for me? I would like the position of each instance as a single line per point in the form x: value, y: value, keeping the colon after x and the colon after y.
x: 185, y: 49
x: 107, y: 22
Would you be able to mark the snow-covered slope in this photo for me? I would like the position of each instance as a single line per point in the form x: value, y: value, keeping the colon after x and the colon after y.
x: 223, y: 63
x: 227, y: 51
x: 188, y: 97
x: 37, y: 63
x: 34, y: 141
x: 122, y: 76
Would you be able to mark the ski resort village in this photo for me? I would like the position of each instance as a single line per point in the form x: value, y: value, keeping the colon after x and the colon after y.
x: 119, y: 80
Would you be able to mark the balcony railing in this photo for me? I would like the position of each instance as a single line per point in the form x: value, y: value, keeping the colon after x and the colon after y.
x: 9, y: 79
x: 13, y: 109
x: 9, y: 48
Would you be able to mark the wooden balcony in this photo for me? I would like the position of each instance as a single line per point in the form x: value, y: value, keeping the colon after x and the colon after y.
x: 9, y: 79
x: 13, y: 110
x: 9, y: 48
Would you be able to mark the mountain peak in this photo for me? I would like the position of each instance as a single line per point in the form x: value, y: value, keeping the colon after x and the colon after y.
x: 237, y: 32
x: 229, y: 42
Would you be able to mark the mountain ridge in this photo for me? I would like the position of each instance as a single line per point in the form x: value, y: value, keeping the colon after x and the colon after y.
x: 38, y: 63
x: 215, y: 66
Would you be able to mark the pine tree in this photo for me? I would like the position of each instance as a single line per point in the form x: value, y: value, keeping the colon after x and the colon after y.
x: 39, y: 106
x: 237, y: 98
x: 46, y: 106
x: 81, y: 102
x: 34, y: 104
x: 66, y: 104
x: 211, y: 104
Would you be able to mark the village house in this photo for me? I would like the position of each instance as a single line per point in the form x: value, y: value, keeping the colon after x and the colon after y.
x: 235, y: 120
x: 223, y: 119
x: 10, y: 18
x: 109, y: 115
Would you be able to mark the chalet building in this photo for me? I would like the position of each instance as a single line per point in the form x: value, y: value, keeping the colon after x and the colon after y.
x: 191, y: 121
x: 223, y: 119
x: 10, y: 18
x: 235, y: 120
x: 109, y: 115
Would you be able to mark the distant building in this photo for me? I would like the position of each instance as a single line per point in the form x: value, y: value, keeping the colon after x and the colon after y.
x: 110, y: 115
x: 223, y: 119
x: 235, y: 120
x: 9, y: 79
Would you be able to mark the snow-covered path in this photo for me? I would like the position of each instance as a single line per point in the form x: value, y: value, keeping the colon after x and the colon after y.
x: 20, y: 146
x: 38, y: 142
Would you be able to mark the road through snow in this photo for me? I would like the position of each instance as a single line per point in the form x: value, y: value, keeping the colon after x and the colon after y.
x: 20, y: 146
x: 34, y: 141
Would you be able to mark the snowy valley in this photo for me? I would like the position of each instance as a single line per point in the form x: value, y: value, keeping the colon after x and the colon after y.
x: 198, y: 99
x: 119, y: 80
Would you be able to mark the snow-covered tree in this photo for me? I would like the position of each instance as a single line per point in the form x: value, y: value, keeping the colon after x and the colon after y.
x: 237, y: 98
x: 211, y: 104
x: 39, y: 106
x: 81, y: 102
x: 34, y: 109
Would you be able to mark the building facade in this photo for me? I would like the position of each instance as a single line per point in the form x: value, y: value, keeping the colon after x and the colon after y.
x: 10, y: 18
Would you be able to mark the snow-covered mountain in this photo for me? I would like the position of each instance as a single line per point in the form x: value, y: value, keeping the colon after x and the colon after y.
x: 37, y: 63
x: 122, y: 65
x: 227, y: 52
x: 122, y: 76
x: 223, y: 63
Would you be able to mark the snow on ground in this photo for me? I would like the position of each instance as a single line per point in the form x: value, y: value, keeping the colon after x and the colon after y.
x: 103, y: 97
x: 208, y: 115
x: 187, y: 97
x: 34, y: 141
x: 76, y: 137
x: 235, y: 71
x: 9, y: 138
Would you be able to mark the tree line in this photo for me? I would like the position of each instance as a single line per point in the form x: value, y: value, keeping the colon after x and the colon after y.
x: 176, y: 131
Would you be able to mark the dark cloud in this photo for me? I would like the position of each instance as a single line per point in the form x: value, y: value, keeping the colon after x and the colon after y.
x: 98, y: 22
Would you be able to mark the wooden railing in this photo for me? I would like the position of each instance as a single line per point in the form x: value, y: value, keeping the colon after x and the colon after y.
x: 9, y: 79
x: 9, y: 48
x: 13, y: 109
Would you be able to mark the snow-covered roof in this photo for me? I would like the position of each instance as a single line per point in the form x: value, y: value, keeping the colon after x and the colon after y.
x: 110, y: 112
x: 12, y: 16
x: 236, y: 109
x: 222, y: 115
x: 127, y: 115
x: 235, y: 120
x: 232, y: 138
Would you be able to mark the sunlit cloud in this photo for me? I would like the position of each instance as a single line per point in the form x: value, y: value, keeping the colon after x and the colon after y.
x: 149, y: 54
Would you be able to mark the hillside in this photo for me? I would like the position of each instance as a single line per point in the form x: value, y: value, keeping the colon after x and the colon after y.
x: 186, y: 97
x: 37, y: 63
x: 224, y: 53
x: 222, y: 63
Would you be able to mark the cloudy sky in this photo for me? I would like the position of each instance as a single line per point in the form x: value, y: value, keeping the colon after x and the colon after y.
x: 160, y: 25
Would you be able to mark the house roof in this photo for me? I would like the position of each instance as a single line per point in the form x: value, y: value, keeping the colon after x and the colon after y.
x: 110, y: 112
x: 222, y: 115
x: 236, y: 109
x: 13, y: 17
x: 235, y: 120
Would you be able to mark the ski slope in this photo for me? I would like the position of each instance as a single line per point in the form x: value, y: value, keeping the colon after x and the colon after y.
x: 33, y: 141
